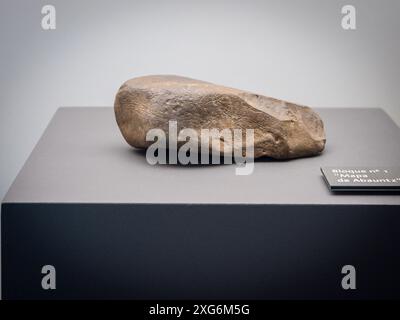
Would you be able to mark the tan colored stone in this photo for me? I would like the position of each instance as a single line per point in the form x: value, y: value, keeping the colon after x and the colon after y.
x: 282, y: 130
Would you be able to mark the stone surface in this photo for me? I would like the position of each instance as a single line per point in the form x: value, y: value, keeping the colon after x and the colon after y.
x: 282, y: 130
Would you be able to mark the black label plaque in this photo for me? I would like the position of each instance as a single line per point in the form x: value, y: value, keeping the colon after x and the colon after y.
x: 362, y: 178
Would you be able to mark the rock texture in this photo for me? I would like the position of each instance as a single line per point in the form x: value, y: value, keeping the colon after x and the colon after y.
x: 282, y: 130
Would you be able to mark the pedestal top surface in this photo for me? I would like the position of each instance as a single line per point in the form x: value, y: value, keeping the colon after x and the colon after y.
x: 83, y: 158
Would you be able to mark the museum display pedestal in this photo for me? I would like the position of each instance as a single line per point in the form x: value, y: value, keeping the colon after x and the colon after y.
x: 115, y: 227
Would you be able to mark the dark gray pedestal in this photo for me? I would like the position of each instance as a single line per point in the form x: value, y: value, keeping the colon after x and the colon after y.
x: 115, y: 227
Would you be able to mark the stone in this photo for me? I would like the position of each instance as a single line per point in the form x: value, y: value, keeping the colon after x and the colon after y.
x: 282, y: 130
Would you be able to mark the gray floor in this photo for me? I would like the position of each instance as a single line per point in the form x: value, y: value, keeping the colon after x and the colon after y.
x: 83, y: 158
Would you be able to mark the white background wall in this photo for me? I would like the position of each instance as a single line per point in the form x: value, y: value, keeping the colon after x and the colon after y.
x: 294, y: 50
